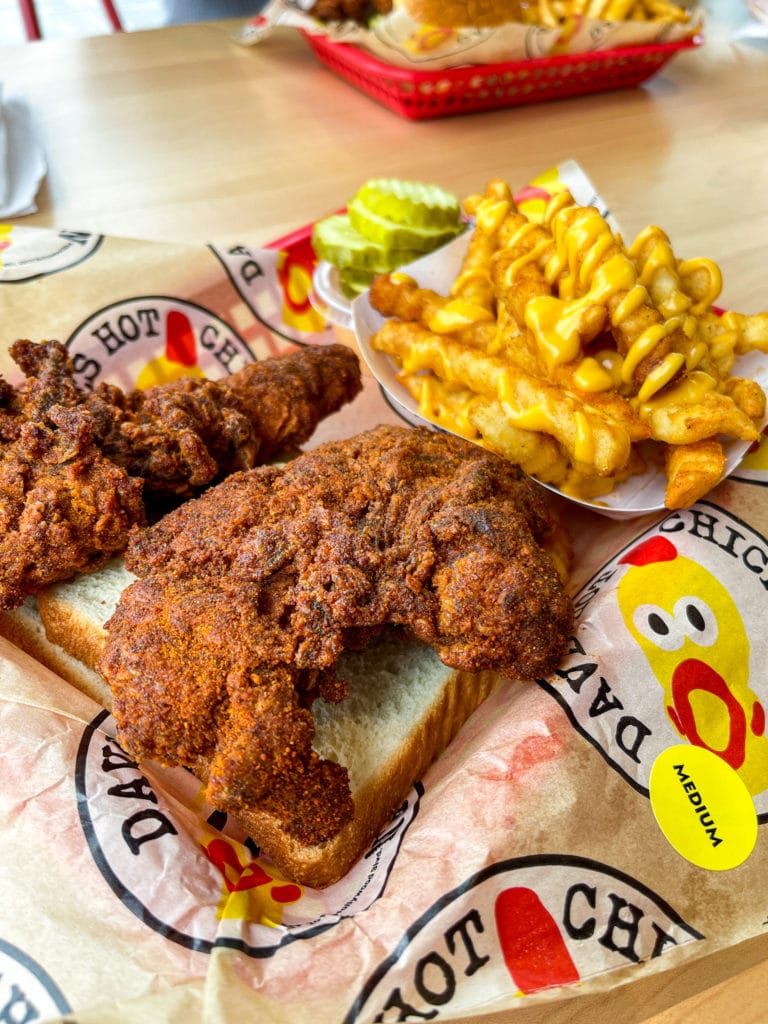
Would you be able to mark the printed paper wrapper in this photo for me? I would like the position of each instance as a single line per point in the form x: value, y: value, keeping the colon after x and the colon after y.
x: 402, y: 42
x: 526, y: 866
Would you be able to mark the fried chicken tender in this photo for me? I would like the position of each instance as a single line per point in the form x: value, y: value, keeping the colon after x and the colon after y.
x: 360, y: 11
x: 77, y: 469
x: 180, y: 436
x: 64, y: 507
x: 248, y: 595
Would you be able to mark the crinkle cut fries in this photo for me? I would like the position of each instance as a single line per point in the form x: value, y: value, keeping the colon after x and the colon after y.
x: 567, y: 351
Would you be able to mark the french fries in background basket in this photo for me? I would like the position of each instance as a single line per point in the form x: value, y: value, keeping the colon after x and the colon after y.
x: 553, y: 13
x: 575, y: 355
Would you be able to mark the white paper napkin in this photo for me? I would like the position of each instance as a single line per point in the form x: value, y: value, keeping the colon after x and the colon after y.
x: 22, y: 160
x: 750, y: 23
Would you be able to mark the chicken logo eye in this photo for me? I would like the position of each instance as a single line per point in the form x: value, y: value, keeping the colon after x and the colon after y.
x: 690, y: 619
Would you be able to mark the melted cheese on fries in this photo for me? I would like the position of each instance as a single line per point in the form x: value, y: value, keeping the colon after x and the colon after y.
x: 580, y: 343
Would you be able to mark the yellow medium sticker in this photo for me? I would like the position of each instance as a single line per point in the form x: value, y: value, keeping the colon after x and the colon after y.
x: 703, y: 807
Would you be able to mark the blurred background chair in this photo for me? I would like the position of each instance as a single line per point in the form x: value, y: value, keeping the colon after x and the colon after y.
x: 22, y: 20
x: 34, y: 23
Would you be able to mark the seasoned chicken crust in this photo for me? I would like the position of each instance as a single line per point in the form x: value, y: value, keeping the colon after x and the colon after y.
x: 247, y: 596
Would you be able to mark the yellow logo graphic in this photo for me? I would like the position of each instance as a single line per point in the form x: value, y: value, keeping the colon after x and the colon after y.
x: 294, y: 272
x: 427, y: 38
x: 694, y: 639
x: 180, y: 356
x: 532, y: 200
x: 5, y: 239
x: 251, y: 889
x: 757, y: 456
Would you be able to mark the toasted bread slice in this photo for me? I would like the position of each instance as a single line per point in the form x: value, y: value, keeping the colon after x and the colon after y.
x: 403, y: 709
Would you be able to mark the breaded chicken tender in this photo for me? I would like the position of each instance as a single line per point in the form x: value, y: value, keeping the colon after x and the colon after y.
x: 78, y: 469
x: 248, y: 595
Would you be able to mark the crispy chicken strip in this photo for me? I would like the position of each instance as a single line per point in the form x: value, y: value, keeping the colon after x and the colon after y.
x: 64, y: 507
x: 76, y: 468
x: 247, y: 596
x: 180, y: 436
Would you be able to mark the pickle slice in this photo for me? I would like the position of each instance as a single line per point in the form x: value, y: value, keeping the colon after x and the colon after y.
x: 394, y: 235
x: 335, y: 240
x: 354, y: 282
x: 410, y: 202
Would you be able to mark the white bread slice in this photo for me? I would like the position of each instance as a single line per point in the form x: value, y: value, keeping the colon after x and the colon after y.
x: 73, y: 613
x: 403, y: 710
x: 24, y: 627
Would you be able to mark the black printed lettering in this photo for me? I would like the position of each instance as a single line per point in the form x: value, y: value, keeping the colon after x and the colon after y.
x: 630, y: 734
x: 149, y: 318
x: 227, y: 354
x: 395, y: 827
x: 136, y: 839
x: 128, y: 326
x: 106, y: 335
x: 209, y: 337
x: 703, y: 525
x: 462, y: 928
x: 577, y: 675
x: 78, y: 237
x: 663, y: 939
x: 223, y: 349
x: 127, y: 329
x: 435, y: 974
x: 575, y: 646
x: 734, y: 535
x: 624, y: 917
x: 586, y: 929
x: 18, y: 1008
x: 114, y: 757
x: 438, y: 968
x: 395, y: 1001
x: 672, y: 524
x: 699, y: 807
x: 755, y: 559
x: 708, y: 527
x: 86, y: 370
x: 137, y: 789
x: 604, y: 700
x: 250, y: 271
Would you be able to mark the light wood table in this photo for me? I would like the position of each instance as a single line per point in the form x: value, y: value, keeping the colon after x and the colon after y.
x: 181, y: 134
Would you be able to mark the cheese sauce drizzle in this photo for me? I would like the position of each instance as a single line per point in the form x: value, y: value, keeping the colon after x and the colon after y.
x: 580, y: 256
x: 590, y: 267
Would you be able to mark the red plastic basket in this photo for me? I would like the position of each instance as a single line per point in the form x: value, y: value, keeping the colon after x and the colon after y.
x: 464, y: 90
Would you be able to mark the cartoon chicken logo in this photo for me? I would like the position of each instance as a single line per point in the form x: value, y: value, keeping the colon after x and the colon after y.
x: 295, y: 264
x: 180, y: 356
x: 695, y: 642
x: 251, y: 889
x: 532, y: 199
x: 427, y: 38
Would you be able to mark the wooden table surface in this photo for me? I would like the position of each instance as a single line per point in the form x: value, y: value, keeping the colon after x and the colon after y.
x: 182, y: 134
